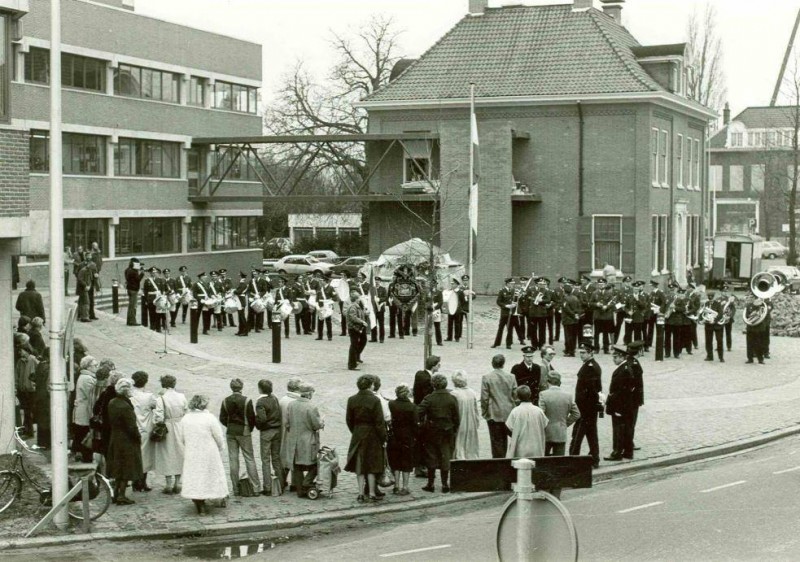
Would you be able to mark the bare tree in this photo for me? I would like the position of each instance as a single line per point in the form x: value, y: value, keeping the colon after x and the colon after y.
x: 706, y: 83
x: 307, y: 106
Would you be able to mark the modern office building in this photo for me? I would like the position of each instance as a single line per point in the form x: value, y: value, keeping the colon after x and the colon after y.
x: 136, y: 92
x: 590, y: 150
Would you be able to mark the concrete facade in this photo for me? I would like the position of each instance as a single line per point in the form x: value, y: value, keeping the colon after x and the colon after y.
x: 112, y: 33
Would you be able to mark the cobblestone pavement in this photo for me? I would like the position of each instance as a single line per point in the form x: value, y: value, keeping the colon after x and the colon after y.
x: 690, y: 403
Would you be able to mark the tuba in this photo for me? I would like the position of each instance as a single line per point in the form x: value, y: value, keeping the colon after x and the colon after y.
x: 707, y: 315
x: 756, y: 316
x: 766, y: 285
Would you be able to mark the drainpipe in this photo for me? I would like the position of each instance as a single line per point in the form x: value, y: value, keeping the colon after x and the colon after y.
x: 580, y: 159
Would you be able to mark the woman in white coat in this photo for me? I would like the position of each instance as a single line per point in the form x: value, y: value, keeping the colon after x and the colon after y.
x: 144, y: 404
x: 170, y: 409
x: 204, y: 475
x: 467, y: 436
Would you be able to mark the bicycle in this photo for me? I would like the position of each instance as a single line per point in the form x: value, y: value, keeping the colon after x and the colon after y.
x: 11, y: 481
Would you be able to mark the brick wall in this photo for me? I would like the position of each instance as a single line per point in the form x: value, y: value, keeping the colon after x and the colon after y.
x: 14, y: 180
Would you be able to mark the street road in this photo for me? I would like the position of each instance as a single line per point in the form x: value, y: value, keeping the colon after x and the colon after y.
x: 743, y: 507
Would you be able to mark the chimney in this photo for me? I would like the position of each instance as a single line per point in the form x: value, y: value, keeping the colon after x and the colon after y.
x: 613, y: 8
x: 582, y: 5
x: 478, y: 7
x: 726, y: 114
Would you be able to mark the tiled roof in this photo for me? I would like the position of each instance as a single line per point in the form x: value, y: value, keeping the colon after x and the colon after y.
x: 525, y: 51
x: 767, y: 117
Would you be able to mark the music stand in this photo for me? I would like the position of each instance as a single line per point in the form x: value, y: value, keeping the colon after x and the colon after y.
x: 162, y: 353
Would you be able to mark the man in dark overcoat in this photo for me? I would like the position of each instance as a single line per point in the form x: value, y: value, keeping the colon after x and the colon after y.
x: 422, y: 388
x: 620, y: 405
x: 439, y: 412
x: 587, y: 397
x: 29, y: 301
x: 364, y: 416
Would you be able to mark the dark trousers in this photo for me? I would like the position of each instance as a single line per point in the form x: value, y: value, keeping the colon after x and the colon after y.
x: 659, y: 338
x: 729, y: 334
x: 256, y: 320
x: 83, y: 304
x: 570, y: 338
x: 27, y: 401
x: 522, y: 328
x: 92, y: 315
x: 78, y: 434
x: 619, y: 320
x: 184, y: 312
x: 303, y: 477
x: 145, y: 314
x: 356, y: 347
x: 557, y: 327
x: 66, y: 285
x: 379, y: 331
x: 154, y: 317
x: 550, y: 326
x: 714, y: 332
x: 649, y: 331
x: 173, y: 315
x: 692, y: 332
x: 498, y: 437
x: 606, y: 329
x: 437, y: 332
x: 455, y: 326
x: 393, y: 320
x: 244, y: 326
x: 622, y: 435
x: 344, y: 321
x: 673, y: 342
x: 327, y: 323
x: 206, y: 320
x: 230, y: 323
x: 218, y: 320
x: 409, y: 322
x: 133, y: 298
x: 585, y: 427
x: 755, y: 345
x: 537, y: 331
x: 508, y: 323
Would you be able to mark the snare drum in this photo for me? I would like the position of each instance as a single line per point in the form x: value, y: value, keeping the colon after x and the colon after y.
x: 437, y: 315
x: 162, y: 304
x: 258, y: 305
x: 186, y: 297
x: 285, y: 309
x: 232, y: 305
x: 326, y: 310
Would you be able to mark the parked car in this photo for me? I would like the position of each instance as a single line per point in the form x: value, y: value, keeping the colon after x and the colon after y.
x: 298, y: 264
x: 328, y: 256
x: 269, y: 263
x: 351, y: 265
x: 792, y: 275
x: 772, y: 249
x: 277, y: 247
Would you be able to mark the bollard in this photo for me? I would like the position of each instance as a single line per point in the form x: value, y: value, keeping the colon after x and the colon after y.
x: 115, y: 296
x: 277, y: 326
x: 194, y: 321
x: 145, y: 319
x: 525, y: 493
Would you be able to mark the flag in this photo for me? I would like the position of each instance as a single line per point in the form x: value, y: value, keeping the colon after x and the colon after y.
x: 473, y: 189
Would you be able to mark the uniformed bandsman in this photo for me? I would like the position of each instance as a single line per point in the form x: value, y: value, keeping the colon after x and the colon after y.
x: 507, y: 300
x: 381, y: 303
x: 172, y: 289
x: 201, y: 292
x: 714, y: 327
x: 241, y: 291
x: 603, y: 303
x: 570, y: 317
x: 324, y: 292
x: 215, y: 290
x: 184, y: 285
x: 537, y: 298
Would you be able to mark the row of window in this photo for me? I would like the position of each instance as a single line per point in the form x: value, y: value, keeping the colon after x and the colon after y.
x: 687, y: 160
x: 138, y: 82
x: 736, y: 177
x: 767, y: 139
x: 152, y: 236
x: 660, y: 230
x: 86, y: 154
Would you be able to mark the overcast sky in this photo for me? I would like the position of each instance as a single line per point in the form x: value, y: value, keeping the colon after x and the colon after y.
x: 754, y: 32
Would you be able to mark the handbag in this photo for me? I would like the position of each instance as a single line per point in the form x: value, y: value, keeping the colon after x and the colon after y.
x: 246, y: 489
x: 96, y: 422
x: 160, y: 429
x: 387, y: 478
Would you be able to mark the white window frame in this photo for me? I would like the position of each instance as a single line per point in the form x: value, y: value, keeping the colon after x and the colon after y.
x: 740, y: 188
x: 664, y: 158
x: 697, y: 159
x: 737, y: 139
x: 757, y: 170
x: 620, y: 236
x: 664, y: 243
x: 655, y: 244
x: 679, y: 156
x: 689, y: 163
x: 406, y: 159
x: 654, y: 155
x: 715, y: 178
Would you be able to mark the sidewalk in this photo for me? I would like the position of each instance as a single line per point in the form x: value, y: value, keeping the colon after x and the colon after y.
x: 690, y: 407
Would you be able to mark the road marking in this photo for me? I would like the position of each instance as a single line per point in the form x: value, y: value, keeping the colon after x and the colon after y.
x: 787, y: 470
x: 439, y: 547
x: 715, y: 488
x: 638, y: 507
x: 762, y: 460
x: 793, y: 452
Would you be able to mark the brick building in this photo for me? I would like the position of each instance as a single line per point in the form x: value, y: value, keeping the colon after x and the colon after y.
x: 750, y: 174
x: 136, y: 92
x: 590, y: 151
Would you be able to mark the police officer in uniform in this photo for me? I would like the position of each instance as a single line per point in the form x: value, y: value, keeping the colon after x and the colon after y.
x: 587, y: 397
x: 528, y: 373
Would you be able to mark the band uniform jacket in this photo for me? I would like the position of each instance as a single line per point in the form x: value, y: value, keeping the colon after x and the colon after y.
x: 537, y: 310
x: 325, y: 292
x: 637, y: 306
x: 172, y: 286
x: 149, y: 289
x: 588, y: 387
x: 622, y: 399
x: 356, y: 317
x: 678, y: 316
x: 762, y: 326
x: 604, y: 304
x: 183, y: 283
x: 381, y: 298
x: 658, y: 298
x: 200, y: 292
x: 572, y: 310
x: 241, y: 291
x: 505, y: 297
x: 463, y: 300
x: 561, y: 411
x: 437, y: 301
x: 528, y: 376
x: 717, y: 306
x: 422, y: 386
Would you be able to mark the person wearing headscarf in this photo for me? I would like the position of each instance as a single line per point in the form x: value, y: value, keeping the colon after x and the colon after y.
x: 144, y: 405
x: 169, y: 453
x: 124, y: 454
x: 83, y: 410
x: 202, y: 440
x: 365, y: 421
x: 402, y: 438
x: 36, y: 338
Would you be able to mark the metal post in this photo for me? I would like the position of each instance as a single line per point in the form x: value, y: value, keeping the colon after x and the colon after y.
x: 277, y: 326
x: 115, y: 297
x: 470, y: 249
x: 194, y: 321
x: 525, y: 493
x: 58, y: 384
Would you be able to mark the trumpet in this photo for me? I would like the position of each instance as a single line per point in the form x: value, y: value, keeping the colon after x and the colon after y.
x: 671, y: 307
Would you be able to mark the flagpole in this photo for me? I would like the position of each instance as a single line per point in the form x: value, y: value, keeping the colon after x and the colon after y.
x: 470, y: 320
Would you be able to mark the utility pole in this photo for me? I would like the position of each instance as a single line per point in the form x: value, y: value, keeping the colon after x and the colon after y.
x: 58, y: 378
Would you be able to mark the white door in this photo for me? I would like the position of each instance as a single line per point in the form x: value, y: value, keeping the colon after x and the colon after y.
x: 679, y: 243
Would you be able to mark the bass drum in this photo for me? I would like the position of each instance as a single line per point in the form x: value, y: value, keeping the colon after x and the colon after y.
x: 326, y: 310
x: 343, y: 290
x: 451, y: 301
